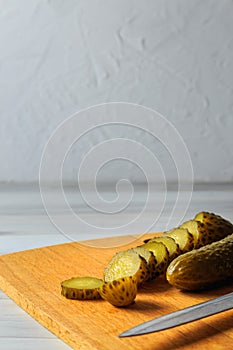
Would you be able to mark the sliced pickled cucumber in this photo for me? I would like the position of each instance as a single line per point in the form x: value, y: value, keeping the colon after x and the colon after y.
x: 172, y: 247
x: 150, y: 260
x: 212, y: 227
x: 130, y: 268
x: 205, y: 216
x: 183, y: 238
x: 121, y: 292
x: 193, y: 227
x: 161, y: 254
x: 82, y: 288
x: 203, y: 267
x: 125, y: 264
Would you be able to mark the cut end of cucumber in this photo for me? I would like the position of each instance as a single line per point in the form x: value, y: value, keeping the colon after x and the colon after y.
x: 161, y: 254
x: 193, y: 227
x: 183, y: 238
x: 170, y: 244
x: 125, y: 264
x: 150, y: 260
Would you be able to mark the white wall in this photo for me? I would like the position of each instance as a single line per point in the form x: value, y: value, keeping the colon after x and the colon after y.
x: 57, y: 57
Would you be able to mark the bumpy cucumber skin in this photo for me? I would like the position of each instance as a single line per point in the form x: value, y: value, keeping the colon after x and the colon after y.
x: 212, y: 227
x: 121, y: 292
x: 201, y: 268
x: 81, y: 294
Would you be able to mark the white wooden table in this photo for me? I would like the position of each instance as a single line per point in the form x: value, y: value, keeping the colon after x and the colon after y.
x: 24, y: 224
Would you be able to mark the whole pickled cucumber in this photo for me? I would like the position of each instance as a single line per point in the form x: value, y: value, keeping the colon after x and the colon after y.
x: 201, y: 268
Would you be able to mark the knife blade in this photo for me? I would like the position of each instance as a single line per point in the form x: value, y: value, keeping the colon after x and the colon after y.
x: 188, y: 314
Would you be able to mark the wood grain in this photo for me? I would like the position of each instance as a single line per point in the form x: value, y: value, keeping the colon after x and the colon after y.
x: 32, y: 279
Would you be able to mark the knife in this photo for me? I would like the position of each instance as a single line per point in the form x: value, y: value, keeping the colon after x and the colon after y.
x: 177, y: 318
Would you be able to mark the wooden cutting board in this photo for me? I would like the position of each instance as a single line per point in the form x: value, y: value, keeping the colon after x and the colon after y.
x: 32, y: 279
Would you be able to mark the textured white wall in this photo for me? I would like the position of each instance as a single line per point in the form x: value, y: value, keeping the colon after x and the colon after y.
x: 57, y: 57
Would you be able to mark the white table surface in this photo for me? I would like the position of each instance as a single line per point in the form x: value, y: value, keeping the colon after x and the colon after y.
x: 24, y: 224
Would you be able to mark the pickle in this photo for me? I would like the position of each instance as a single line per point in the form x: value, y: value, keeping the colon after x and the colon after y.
x: 183, y: 238
x: 120, y: 292
x: 212, y: 227
x: 171, y: 245
x: 125, y: 264
x: 193, y: 256
x: 207, y: 228
x: 82, y: 288
x: 201, y: 268
x: 161, y: 254
x: 150, y: 260
x: 193, y: 227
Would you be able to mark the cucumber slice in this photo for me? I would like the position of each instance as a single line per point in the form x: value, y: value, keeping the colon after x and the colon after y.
x: 183, y: 238
x: 172, y: 247
x: 212, y: 227
x: 125, y: 264
x: 193, y: 227
x: 121, y: 292
x: 150, y: 260
x: 161, y: 254
x: 82, y: 288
